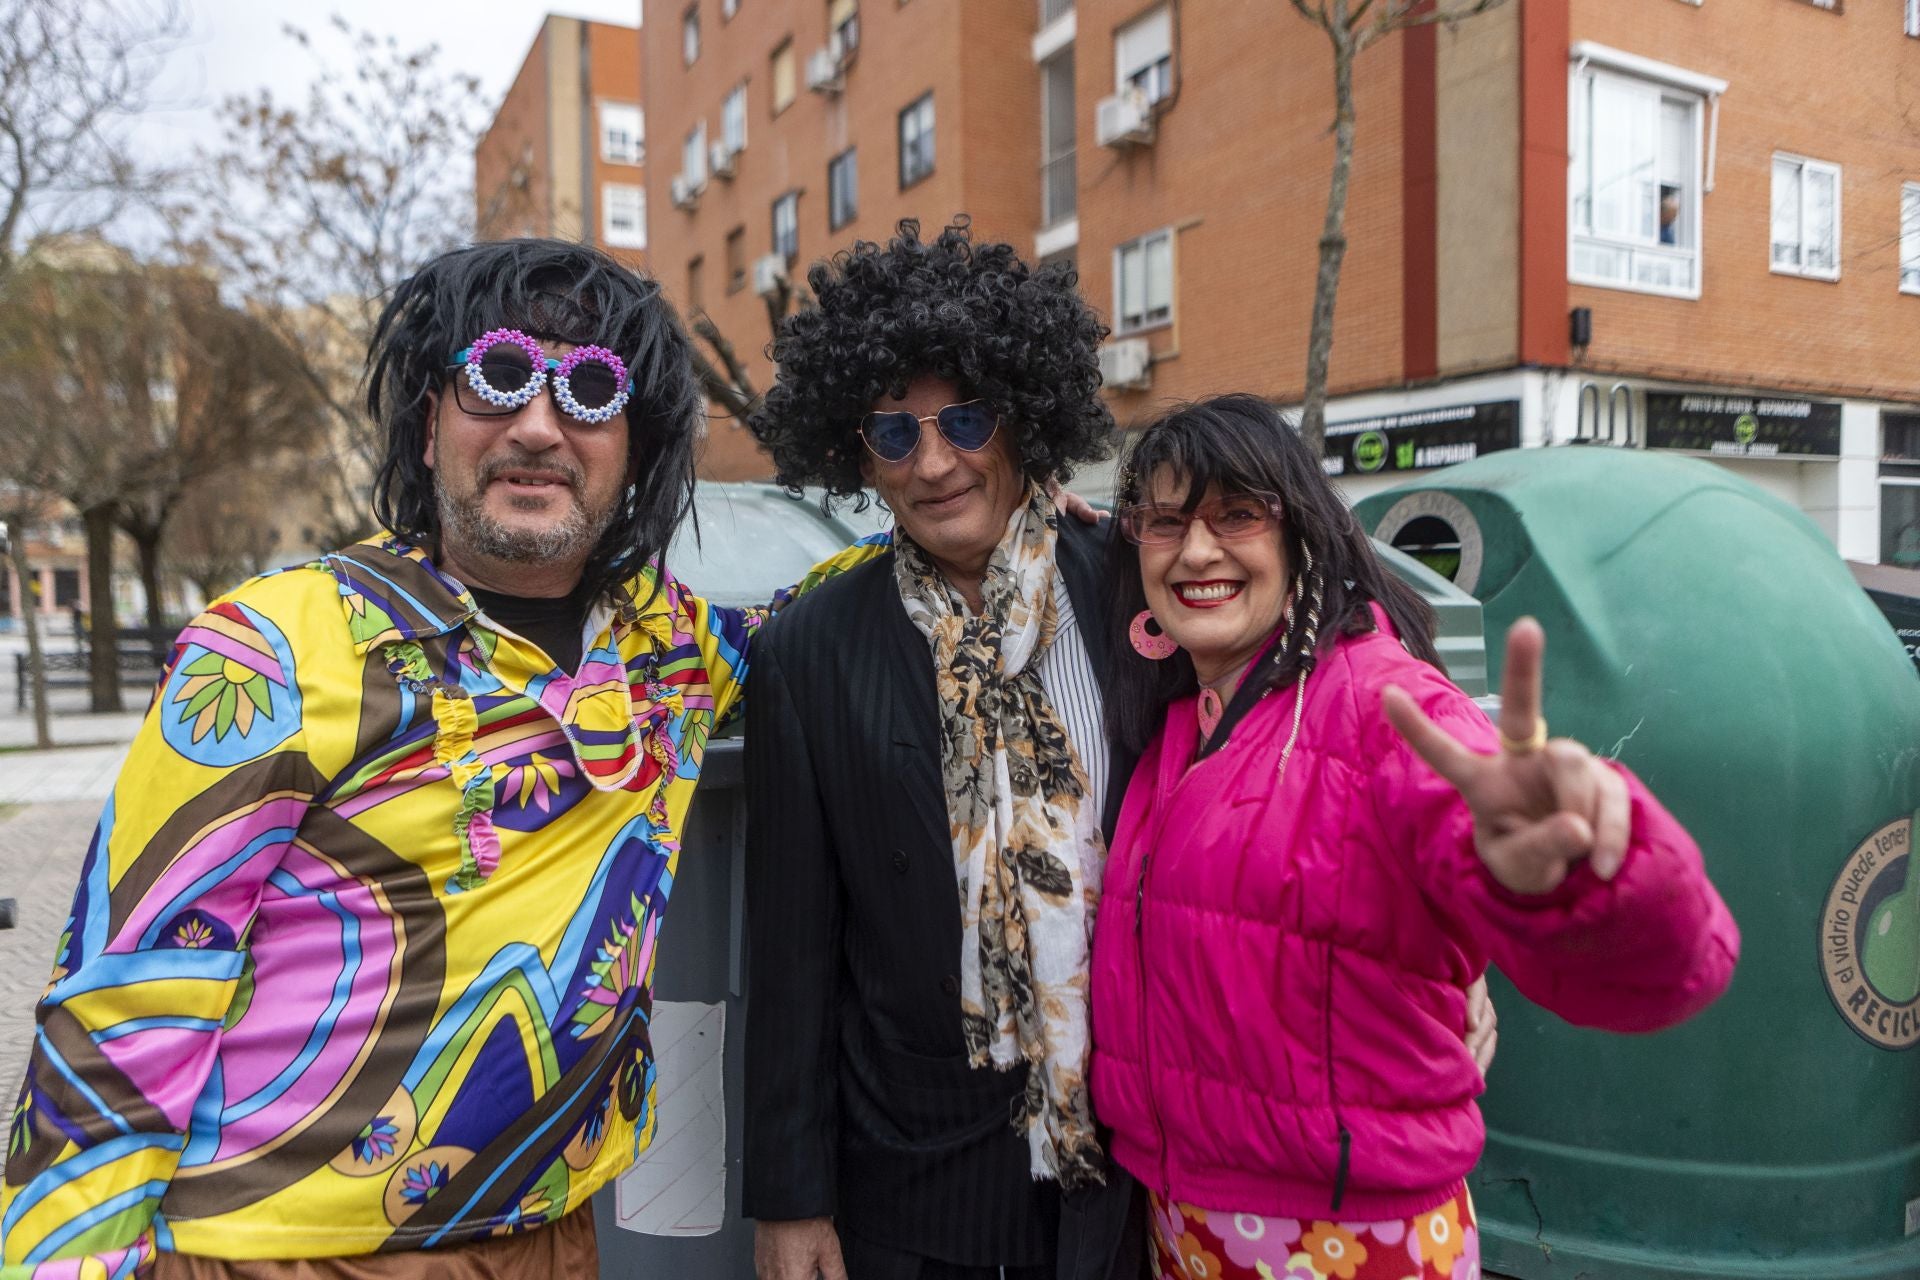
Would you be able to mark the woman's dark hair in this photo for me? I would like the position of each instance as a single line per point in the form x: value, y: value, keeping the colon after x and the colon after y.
x: 974, y: 314
x: 1241, y: 444
x: 563, y: 293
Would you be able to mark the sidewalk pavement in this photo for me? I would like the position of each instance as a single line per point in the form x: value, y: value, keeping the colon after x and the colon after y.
x: 49, y: 802
x: 41, y: 848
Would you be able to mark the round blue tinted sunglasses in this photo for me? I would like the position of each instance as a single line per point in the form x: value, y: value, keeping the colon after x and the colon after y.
x: 894, y: 435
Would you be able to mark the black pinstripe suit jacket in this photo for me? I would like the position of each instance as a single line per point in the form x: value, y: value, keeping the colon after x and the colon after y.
x: 860, y: 1103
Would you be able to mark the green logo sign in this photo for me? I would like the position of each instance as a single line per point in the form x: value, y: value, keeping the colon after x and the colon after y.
x: 1370, y: 451
x: 1403, y: 456
x: 1870, y: 938
x: 1745, y: 428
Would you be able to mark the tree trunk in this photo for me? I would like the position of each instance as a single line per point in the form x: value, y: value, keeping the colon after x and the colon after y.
x: 103, y: 665
x: 147, y: 543
x: 30, y: 618
x: 1333, y: 251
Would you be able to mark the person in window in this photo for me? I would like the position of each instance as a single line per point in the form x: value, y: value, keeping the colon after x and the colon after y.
x: 929, y: 787
x: 1323, y: 843
x: 1669, y: 215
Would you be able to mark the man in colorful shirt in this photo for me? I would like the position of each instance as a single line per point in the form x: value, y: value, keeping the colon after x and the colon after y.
x: 361, y: 954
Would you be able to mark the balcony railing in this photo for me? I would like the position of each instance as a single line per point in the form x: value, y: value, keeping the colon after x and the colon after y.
x: 1059, y: 189
x: 1051, y: 9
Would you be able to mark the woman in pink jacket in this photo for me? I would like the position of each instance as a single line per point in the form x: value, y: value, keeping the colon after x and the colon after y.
x: 1324, y: 843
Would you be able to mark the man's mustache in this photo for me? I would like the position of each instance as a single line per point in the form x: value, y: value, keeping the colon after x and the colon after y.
x: 523, y: 461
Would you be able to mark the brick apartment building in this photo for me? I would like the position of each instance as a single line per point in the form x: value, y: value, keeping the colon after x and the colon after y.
x: 566, y: 152
x: 1672, y: 223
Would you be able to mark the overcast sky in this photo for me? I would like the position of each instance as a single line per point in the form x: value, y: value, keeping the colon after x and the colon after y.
x: 237, y: 46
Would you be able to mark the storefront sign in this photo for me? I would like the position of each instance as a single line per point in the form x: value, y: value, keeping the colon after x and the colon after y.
x: 1743, y: 426
x: 1421, y: 438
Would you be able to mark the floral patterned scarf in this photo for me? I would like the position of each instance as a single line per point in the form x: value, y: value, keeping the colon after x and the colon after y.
x: 1026, y: 834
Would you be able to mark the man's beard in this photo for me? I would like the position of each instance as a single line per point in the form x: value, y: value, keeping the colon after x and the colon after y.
x: 465, y: 524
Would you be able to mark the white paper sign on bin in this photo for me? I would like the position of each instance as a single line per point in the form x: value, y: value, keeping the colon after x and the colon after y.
x: 678, y: 1187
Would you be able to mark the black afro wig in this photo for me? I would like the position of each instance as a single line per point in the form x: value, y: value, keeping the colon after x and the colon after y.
x: 973, y: 314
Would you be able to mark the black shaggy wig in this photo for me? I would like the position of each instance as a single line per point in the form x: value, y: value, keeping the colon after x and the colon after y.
x: 563, y: 293
x: 974, y: 314
x: 1241, y: 444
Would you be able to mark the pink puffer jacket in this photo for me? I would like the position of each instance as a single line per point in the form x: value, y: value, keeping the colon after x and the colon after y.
x: 1279, y: 972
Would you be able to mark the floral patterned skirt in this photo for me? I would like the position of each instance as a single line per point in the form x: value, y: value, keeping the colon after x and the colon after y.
x: 1190, y: 1243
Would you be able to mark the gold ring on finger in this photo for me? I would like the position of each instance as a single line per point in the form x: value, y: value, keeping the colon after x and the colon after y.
x: 1528, y: 745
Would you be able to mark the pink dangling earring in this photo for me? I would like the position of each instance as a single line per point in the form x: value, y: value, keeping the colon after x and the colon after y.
x: 1155, y: 644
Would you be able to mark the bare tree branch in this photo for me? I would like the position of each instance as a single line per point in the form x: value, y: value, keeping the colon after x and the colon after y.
x: 1349, y: 38
x: 319, y: 210
x: 72, y: 74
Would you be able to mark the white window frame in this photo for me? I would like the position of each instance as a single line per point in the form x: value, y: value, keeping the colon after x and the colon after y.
x: 1146, y: 321
x: 728, y: 8
x: 1804, y: 165
x: 1910, y: 236
x: 1153, y: 66
x: 623, y: 197
x: 920, y: 114
x: 733, y: 118
x: 618, y: 121
x: 1642, y: 256
x: 693, y: 155
x: 851, y: 208
x: 690, y: 35
x: 1913, y: 17
x: 786, y: 218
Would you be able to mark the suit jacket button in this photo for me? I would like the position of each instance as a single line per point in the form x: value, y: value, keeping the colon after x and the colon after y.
x: 950, y: 984
x: 900, y: 862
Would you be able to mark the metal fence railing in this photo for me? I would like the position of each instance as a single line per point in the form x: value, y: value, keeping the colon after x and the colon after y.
x: 1051, y: 9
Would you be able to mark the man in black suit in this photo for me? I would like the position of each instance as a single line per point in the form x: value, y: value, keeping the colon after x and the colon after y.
x: 898, y: 716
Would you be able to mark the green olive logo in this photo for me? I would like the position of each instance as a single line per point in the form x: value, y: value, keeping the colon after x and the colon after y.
x: 1870, y: 938
x: 1745, y: 428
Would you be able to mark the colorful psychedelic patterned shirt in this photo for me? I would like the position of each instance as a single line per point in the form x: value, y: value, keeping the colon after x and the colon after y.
x: 362, y: 952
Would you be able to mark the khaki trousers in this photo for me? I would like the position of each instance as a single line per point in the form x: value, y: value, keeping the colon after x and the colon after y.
x: 565, y: 1248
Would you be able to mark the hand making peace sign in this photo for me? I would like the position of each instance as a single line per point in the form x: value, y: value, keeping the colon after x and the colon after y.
x: 1539, y: 807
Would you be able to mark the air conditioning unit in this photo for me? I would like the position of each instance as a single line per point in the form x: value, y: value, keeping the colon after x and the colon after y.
x: 685, y: 192
x: 823, y: 70
x: 1124, y: 120
x: 1126, y: 365
x: 769, y: 272
x: 721, y: 159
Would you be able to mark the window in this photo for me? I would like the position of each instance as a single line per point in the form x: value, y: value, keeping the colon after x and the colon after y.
x: 786, y: 226
x: 728, y: 8
x: 693, y: 155
x: 1910, y: 238
x: 736, y: 259
x: 1143, y: 55
x: 66, y: 588
x: 1058, y: 183
x: 1806, y: 217
x: 786, y: 80
x: 1913, y: 17
x: 843, y: 189
x: 1143, y: 282
x: 843, y: 20
x: 1900, y: 524
x: 623, y: 215
x: 733, y: 119
x: 690, y: 35
x: 696, y: 285
x: 916, y: 141
x: 1635, y: 184
x: 622, y: 127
